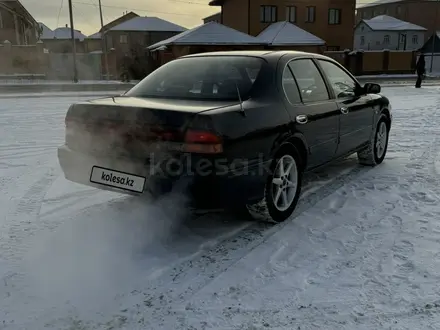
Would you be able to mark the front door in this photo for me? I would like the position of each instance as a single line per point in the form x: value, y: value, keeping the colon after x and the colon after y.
x: 356, y: 118
x: 314, y: 113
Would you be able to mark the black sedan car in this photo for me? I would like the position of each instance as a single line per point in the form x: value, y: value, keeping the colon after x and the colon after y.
x: 238, y: 128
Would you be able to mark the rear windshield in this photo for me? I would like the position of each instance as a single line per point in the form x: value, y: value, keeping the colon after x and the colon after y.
x: 210, y: 77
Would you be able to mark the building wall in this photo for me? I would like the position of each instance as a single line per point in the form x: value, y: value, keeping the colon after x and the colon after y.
x: 63, y: 46
x: 92, y: 45
x: 422, y: 13
x: 23, y: 59
x: 15, y: 29
x: 235, y: 15
x: 135, y: 41
x: 337, y: 36
x: 367, y: 39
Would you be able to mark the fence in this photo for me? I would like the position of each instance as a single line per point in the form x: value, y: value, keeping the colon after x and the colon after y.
x: 88, y: 65
x: 376, y: 62
x: 19, y: 59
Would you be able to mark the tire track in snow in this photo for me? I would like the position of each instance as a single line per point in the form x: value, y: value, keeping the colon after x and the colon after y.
x: 190, y: 276
x: 23, y: 220
x: 349, y: 256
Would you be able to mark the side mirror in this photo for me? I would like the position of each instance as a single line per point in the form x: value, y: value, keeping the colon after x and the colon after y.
x: 372, y: 88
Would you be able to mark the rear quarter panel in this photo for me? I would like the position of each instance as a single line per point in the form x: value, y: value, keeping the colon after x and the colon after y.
x: 249, y: 136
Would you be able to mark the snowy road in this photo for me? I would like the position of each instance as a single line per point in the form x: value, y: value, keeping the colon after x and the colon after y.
x: 362, y: 253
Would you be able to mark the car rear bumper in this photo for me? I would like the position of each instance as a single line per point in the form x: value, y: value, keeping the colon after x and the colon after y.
x: 207, y: 192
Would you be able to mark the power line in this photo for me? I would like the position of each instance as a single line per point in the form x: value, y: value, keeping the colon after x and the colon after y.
x: 138, y: 9
x: 59, y: 13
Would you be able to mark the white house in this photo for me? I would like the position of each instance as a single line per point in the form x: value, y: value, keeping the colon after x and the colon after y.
x: 386, y: 32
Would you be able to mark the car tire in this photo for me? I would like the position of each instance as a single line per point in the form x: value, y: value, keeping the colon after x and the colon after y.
x: 375, y: 153
x: 273, y: 207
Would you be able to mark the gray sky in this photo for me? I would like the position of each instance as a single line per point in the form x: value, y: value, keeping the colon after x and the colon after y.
x: 188, y: 13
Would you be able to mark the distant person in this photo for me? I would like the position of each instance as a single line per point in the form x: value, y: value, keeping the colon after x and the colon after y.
x: 420, y: 69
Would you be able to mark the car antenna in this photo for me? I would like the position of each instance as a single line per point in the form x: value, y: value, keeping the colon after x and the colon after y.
x: 241, y: 101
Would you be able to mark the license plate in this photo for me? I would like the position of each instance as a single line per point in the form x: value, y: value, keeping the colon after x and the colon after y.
x: 117, y: 179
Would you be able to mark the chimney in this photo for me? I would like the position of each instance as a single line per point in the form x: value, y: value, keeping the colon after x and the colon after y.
x: 67, y: 25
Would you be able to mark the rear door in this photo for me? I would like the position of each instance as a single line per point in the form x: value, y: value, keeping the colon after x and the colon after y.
x: 356, y: 118
x: 310, y: 105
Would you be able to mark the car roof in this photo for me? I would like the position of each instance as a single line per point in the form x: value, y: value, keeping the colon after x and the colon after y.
x: 257, y: 53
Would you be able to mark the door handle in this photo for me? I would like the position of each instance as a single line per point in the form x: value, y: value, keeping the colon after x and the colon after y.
x: 344, y: 110
x: 301, y: 119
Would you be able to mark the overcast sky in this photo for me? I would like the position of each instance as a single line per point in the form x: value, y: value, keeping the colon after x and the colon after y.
x: 188, y: 13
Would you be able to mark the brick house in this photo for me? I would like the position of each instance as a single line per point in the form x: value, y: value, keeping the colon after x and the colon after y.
x: 138, y: 33
x: 419, y: 12
x: 129, y: 40
x: 332, y: 21
x: 386, y: 32
x: 16, y: 24
x: 59, y: 40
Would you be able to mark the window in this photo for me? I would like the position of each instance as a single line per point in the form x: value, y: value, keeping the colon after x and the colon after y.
x: 123, y: 39
x: 362, y: 40
x: 365, y: 14
x: 310, y: 18
x: 386, y: 39
x: 399, y: 10
x: 1, y: 21
x: 415, y: 39
x: 202, y: 78
x: 291, y: 14
x: 374, y: 13
x: 334, y: 16
x: 268, y: 14
x: 290, y: 87
x: 342, y: 83
x: 309, y: 79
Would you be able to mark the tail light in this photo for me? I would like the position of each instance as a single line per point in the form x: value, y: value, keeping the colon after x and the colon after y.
x: 202, y: 142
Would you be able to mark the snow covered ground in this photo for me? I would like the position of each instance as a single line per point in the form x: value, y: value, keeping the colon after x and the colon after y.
x: 363, y: 251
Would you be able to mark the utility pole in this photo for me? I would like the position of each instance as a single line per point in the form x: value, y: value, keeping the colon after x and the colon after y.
x: 434, y: 36
x: 72, y: 33
x: 105, y: 42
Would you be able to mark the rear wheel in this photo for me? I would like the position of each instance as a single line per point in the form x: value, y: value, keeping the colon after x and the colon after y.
x: 282, y: 188
x: 375, y: 153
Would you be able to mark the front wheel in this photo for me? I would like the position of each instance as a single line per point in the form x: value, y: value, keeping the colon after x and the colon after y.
x: 282, y: 190
x: 375, y: 153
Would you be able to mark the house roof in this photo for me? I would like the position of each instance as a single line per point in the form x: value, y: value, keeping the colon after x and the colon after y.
x: 388, y: 23
x: 62, y: 33
x: 18, y: 7
x: 377, y: 3
x: 119, y: 20
x: 148, y: 24
x: 216, y: 2
x: 46, y: 31
x: 96, y: 35
x: 288, y: 34
x: 382, y: 2
x: 213, y: 15
x: 211, y: 33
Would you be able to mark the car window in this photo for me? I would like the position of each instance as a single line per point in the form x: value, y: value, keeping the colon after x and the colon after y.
x: 290, y: 87
x: 310, y: 81
x: 213, y: 77
x: 341, y: 82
